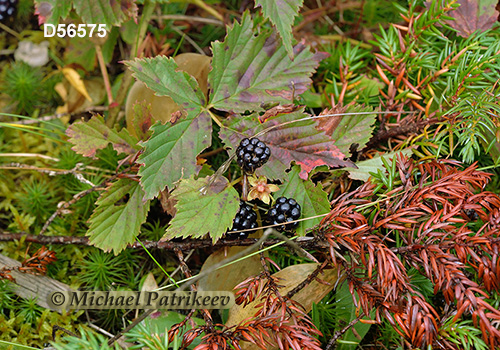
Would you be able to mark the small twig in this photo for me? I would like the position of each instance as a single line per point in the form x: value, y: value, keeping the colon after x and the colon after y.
x: 332, y: 344
x: 75, y: 198
x: 41, y: 119
x: 263, y: 261
x: 189, y: 40
x: 300, y: 251
x: 272, y: 286
x: 188, y: 19
x: 10, y: 31
x: 178, y: 268
x: 403, y: 129
x: 76, y: 171
x: 104, y: 72
x: 6, y: 52
x: 308, y: 280
x: 59, y: 328
x: 99, y: 329
x: 29, y: 155
x: 59, y: 115
x: 187, y: 273
x: 130, y: 326
x: 6, y: 236
x: 234, y: 257
x: 212, y: 152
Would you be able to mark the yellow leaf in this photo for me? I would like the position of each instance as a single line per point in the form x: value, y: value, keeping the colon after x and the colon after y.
x: 62, y: 109
x: 74, y: 79
x: 226, y: 278
x: 61, y: 90
x: 149, y: 283
x: 291, y: 277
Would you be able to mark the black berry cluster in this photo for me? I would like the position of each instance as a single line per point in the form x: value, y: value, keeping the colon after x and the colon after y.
x: 252, y: 154
x: 7, y: 9
x: 285, y: 210
x: 246, y: 218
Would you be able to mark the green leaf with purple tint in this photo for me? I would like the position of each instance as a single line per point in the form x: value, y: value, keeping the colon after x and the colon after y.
x: 312, y: 199
x: 281, y: 13
x: 170, y: 153
x: 289, y: 140
x: 160, y: 75
x: 105, y: 11
x: 118, y: 217
x: 250, y: 71
x: 91, y: 11
x: 199, y: 214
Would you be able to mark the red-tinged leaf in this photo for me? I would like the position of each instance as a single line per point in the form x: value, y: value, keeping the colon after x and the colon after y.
x: 141, y: 120
x: 50, y: 11
x: 289, y: 141
x: 88, y: 137
x: 347, y: 130
x: 250, y: 71
x: 473, y: 15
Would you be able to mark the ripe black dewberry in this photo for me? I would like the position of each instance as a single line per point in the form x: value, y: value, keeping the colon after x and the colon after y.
x: 252, y: 154
x: 246, y: 218
x: 285, y: 210
x: 7, y: 9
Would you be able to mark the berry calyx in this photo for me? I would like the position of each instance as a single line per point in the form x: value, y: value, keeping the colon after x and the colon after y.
x: 246, y: 218
x: 283, y: 212
x: 252, y: 154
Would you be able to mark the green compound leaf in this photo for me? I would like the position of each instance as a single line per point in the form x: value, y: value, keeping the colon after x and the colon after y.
x: 115, y: 224
x: 199, y: 214
x: 171, y: 152
x: 282, y: 13
x: 300, y: 141
x: 250, y: 71
x: 88, y: 137
x: 91, y: 11
x: 348, y: 129
x: 312, y: 199
x: 160, y: 75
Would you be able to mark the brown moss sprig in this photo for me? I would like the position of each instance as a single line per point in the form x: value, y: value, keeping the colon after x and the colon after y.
x: 428, y: 221
x: 36, y: 265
